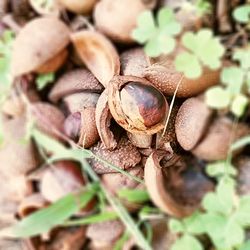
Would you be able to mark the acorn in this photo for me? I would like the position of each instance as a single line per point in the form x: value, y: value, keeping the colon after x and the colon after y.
x: 111, y: 19
x: 191, y: 122
x: 39, y: 49
x: 137, y: 105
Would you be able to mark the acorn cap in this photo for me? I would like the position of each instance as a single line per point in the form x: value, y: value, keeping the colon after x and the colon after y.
x: 191, y: 122
x: 74, y: 81
x: 36, y: 44
x: 98, y: 54
x: 124, y: 156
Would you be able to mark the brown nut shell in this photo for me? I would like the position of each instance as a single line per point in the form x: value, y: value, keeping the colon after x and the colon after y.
x: 191, y: 122
x: 103, y: 120
x: 124, y: 156
x: 29, y: 51
x: 216, y: 143
x: 76, y: 102
x: 134, y: 62
x: 48, y: 118
x: 61, y: 178
x: 88, y: 134
x: 54, y: 63
x: 50, y: 9
x: 98, y: 54
x: 140, y: 141
x: 74, y: 81
x: 31, y: 204
x: 13, y: 150
x: 154, y: 180
x: 78, y: 6
x: 139, y: 122
x: 166, y: 78
x: 111, y: 19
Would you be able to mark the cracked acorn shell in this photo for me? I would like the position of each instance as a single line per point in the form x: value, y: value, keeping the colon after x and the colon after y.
x: 29, y: 53
x: 191, y: 122
x: 115, y: 20
x: 124, y: 156
x: 216, y: 142
x: 98, y: 54
x: 74, y: 81
x: 156, y: 185
x: 136, y: 105
x: 163, y: 75
x: 103, y: 121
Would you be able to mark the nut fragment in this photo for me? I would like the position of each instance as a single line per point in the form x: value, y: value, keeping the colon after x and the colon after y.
x: 98, y: 53
x: 166, y: 78
x: 48, y: 9
x: 216, y: 143
x: 140, y: 141
x: 74, y: 81
x: 78, y: 6
x: 155, y: 183
x: 61, y: 178
x: 136, y: 105
x: 103, y: 120
x: 191, y: 122
x: 36, y: 44
x: 243, y: 165
x: 124, y: 156
x: 111, y: 19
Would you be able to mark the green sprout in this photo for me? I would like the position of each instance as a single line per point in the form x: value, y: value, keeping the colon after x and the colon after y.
x: 43, y: 80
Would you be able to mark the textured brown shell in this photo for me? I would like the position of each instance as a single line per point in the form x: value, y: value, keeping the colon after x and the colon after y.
x: 191, y: 121
x: 166, y: 78
x: 117, y: 19
x: 115, y: 105
x: 36, y: 44
x: 216, y: 143
x: 134, y: 62
x: 78, y: 6
x: 48, y: 118
x: 53, y: 11
x: 88, y: 134
x: 103, y: 120
x: 140, y: 141
x: 16, y: 158
x: 154, y: 180
x: 98, y: 53
x: 74, y: 81
x: 124, y: 156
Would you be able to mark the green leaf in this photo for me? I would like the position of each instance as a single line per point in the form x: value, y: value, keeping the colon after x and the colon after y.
x: 176, y: 226
x: 212, y: 203
x: 188, y: 64
x: 194, y: 223
x: 187, y: 242
x: 233, y: 77
x: 242, y: 14
x: 245, y: 246
x: 234, y: 234
x: 242, y: 214
x: 239, y: 105
x: 243, y: 56
x: 44, y: 79
x: 219, y: 168
x: 134, y: 195
x: 217, y: 97
x: 152, y: 47
x: 47, y: 218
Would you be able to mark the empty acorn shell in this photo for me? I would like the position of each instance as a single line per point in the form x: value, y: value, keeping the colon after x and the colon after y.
x: 36, y: 44
x: 111, y: 18
x: 136, y: 105
x: 191, y: 121
x: 140, y: 140
x: 216, y: 142
x: 74, y: 81
x: 155, y: 183
x: 124, y: 156
x: 103, y: 121
x: 166, y: 78
x: 98, y: 54
x: 78, y: 6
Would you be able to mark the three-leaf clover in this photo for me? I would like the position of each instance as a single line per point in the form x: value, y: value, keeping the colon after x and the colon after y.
x: 202, y: 48
x: 157, y: 35
x: 242, y: 14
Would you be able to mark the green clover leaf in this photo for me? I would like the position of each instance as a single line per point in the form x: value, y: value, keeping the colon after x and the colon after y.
x: 188, y: 64
x: 194, y: 223
x: 176, y: 226
x: 187, y: 242
x: 158, y: 36
x: 243, y: 56
x: 217, y: 97
x: 219, y: 168
x: 242, y: 14
x: 242, y: 214
x: 239, y: 105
